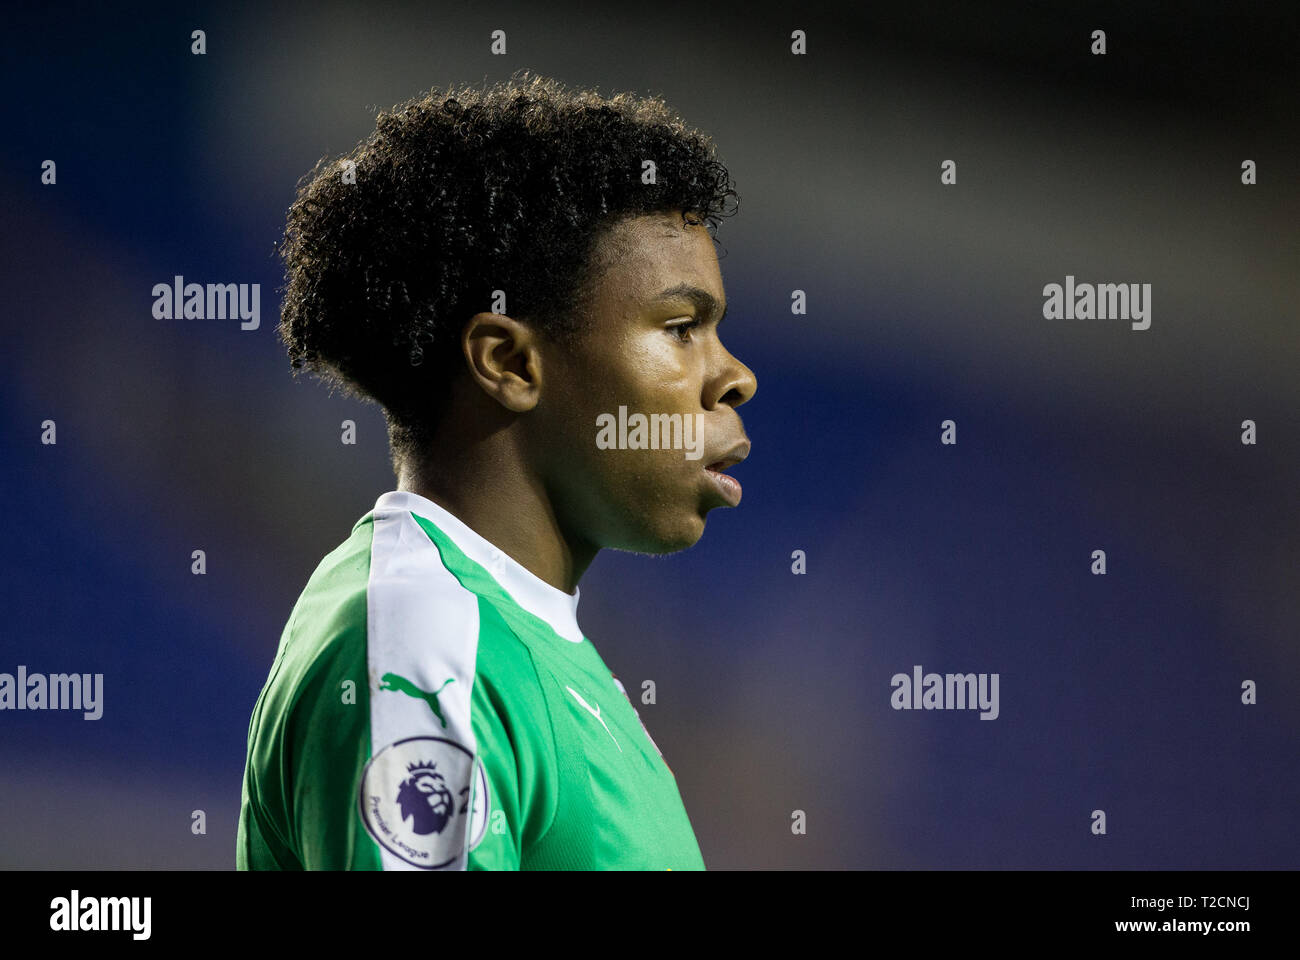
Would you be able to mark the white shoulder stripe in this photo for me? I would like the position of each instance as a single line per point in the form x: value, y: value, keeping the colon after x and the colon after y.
x: 421, y: 651
x: 557, y: 608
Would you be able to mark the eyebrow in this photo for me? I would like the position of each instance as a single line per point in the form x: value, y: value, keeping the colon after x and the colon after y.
x: 704, y: 302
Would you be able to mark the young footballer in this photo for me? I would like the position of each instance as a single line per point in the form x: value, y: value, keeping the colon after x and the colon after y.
x: 525, y: 279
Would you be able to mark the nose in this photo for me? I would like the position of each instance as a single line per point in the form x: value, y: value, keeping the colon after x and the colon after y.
x: 734, y: 384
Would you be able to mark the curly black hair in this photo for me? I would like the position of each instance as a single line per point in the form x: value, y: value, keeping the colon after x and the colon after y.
x: 460, y: 193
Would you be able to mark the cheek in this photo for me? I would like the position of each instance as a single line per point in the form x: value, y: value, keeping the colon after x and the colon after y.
x: 652, y: 487
x: 643, y: 499
x: 616, y: 396
x: 648, y: 368
x: 651, y: 505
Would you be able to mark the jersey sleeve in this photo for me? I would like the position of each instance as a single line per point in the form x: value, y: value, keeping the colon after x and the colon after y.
x: 308, y: 743
x: 402, y: 728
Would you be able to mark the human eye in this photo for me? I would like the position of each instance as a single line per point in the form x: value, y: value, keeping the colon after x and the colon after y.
x: 681, y: 330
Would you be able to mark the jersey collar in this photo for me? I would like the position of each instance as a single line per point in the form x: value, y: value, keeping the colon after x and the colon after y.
x: 557, y: 608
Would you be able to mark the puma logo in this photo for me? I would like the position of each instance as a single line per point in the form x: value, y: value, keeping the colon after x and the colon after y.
x: 595, y: 712
x: 398, y: 683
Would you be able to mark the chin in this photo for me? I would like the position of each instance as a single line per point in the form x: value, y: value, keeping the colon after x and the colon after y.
x: 668, y: 537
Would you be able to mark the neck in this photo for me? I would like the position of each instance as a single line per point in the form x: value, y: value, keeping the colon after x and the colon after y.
x: 488, y: 492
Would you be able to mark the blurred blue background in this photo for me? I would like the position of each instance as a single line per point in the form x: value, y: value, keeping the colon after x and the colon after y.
x: 1118, y: 692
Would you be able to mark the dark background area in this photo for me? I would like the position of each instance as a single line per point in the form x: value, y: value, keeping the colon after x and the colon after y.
x: 1118, y: 692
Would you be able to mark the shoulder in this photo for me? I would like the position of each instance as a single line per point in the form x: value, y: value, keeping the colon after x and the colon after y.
x: 380, y: 603
x: 383, y: 598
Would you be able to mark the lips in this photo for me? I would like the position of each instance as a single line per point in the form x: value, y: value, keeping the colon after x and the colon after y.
x: 727, y: 487
x: 730, y: 458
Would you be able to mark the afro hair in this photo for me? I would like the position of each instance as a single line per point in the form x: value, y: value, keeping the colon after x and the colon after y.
x: 461, y: 193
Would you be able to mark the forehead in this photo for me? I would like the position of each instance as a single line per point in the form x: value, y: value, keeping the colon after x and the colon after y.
x: 639, y: 257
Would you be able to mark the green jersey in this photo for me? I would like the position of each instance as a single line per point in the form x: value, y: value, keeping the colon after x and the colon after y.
x: 434, y: 705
